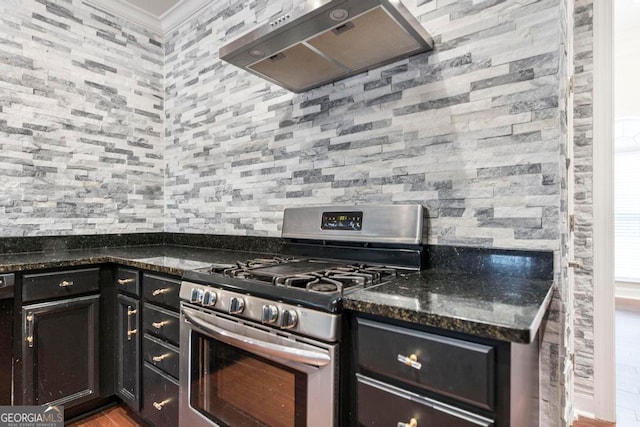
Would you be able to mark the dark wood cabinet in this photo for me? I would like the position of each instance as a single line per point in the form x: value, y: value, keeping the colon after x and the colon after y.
x: 60, y: 284
x: 128, y: 351
x: 60, y: 351
x: 147, y: 336
x: 385, y: 405
x: 6, y: 343
x: 406, y: 374
x: 161, y: 392
x: 128, y: 281
x: 460, y: 369
x: 161, y: 325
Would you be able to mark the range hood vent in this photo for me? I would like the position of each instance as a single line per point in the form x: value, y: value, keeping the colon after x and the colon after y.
x: 321, y: 41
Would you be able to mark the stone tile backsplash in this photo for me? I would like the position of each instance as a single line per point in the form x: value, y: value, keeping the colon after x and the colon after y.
x: 81, y: 121
x: 470, y: 130
x: 108, y: 128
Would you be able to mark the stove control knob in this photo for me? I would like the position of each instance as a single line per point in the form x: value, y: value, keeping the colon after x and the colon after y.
x: 196, y: 296
x: 269, y: 313
x: 289, y: 319
x: 236, y: 305
x: 209, y: 299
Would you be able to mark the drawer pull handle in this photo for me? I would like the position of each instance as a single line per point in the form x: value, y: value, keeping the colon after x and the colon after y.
x: 130, y: 333
x: 412, y: 423
x: 66, y: 283
x: 131, y: 312
x: 160, y: 291
x: 159, y: 325
x: 160, y: 358
x: 126, y: 281
x: 410, y: 361
x: 159, y: 406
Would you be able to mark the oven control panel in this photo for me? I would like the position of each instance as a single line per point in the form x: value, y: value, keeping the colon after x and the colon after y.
x: 347, y: 221
x: 276, y: 314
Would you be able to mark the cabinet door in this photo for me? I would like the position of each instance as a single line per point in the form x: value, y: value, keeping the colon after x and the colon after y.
x: 6, y: 349
x: 60, y: 351
x: 128, y: 342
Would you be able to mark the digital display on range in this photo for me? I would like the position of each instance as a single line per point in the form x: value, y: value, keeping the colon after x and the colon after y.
x: 342, y: 221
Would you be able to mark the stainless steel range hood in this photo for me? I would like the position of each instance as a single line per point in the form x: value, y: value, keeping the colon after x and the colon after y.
x: 321, y: 41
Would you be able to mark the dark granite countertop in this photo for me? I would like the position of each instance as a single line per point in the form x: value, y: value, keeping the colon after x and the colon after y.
x: 160, y: 258
x: 498, y: 307
x: 493, y: 306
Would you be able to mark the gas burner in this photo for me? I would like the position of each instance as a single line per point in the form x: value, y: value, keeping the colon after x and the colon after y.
x: 243, y: 269
x: 325, y: 286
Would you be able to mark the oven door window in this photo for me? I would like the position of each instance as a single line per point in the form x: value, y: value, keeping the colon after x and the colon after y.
x: 233, y: 387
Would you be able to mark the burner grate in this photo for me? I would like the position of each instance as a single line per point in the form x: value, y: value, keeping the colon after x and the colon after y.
x: 318, y: 276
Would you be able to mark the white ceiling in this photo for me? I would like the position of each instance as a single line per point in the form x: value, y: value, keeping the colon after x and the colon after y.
x: 156, y: 8
x: 157, y: 15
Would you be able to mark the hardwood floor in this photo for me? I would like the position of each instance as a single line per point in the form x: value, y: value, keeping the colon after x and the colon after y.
x: 586, y: 422
x: 627, y: 366
x: 117, y: 416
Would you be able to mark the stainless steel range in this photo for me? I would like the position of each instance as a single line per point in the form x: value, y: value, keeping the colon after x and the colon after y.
x: 262, y: 336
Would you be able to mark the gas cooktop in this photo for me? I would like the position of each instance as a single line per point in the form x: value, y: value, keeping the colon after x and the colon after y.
x: 313, y: 275
x: 331, y: 251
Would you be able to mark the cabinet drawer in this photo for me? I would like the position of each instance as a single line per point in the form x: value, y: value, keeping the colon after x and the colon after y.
x: 162, y: 355
x: 60, y: 284
x: 162, y: 323
x: 380, y: 404
x: 161, y: 290
x: 453, y: 367
x: 128, y: 280
x: 160, y: 398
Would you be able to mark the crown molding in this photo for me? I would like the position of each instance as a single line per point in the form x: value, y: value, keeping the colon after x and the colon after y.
x: 179, y: 13
x: 168, y: 21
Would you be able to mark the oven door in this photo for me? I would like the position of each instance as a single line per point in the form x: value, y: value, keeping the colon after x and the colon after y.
x: 237, y: 373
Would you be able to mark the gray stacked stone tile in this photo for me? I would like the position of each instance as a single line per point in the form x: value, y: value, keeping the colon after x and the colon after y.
x: 583, y: 196
x: 81, y: 121
x: 475, y: 131
x: 472, y: 127
x: 106, y: 127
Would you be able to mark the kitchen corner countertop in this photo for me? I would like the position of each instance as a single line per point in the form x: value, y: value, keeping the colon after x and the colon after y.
x: 167, y: 259
x: 497, y: 307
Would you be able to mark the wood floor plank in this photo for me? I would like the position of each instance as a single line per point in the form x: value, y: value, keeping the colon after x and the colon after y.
x: 587, y: 422
x: 117, y: 416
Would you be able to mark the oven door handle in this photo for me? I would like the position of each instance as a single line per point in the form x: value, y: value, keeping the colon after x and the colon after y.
x: 309, y: 357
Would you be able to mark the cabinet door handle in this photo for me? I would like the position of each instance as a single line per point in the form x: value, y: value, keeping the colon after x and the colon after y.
x: 29, y: 330
x: 65, y: 283
x: 160, y: 325
x: 412, y: 423
x: 126, y: 281
x: 160, y: 358
x: 160, y: 291
x: 410, y: 361
x: 130, y: 331
x: 160, y: 405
